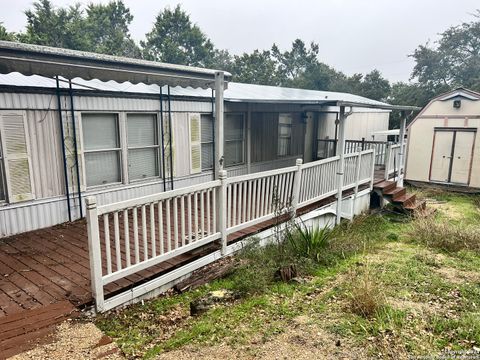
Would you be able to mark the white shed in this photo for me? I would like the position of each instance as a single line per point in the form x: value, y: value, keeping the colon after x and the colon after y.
x: 442, y: 144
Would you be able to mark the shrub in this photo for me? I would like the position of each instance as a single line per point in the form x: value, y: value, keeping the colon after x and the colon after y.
x: 446, y: 236
x: 308, y: 242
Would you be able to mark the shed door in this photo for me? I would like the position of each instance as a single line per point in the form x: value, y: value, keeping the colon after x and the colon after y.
x: 462, y: 157
x: 442, y: 153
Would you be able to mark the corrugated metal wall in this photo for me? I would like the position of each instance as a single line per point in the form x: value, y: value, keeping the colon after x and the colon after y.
x: 44, y: 133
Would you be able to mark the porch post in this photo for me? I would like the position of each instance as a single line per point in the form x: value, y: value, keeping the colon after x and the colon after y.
x: 249, y: 138
x: 296, y: 188
x: 219, y: 108
x: 222, y: 210
x: 94, y: 252
x: 341, y: 162
x: 401, y: 155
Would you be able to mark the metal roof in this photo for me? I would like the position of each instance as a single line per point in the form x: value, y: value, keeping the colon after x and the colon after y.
x: 49, y: 61
x: 236, y: 92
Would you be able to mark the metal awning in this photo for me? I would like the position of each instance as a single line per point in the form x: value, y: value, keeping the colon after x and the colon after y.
x: 48, y: 61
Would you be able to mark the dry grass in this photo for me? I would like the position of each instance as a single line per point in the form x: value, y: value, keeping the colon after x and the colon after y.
x: 366, y: 296
x: 446, y: 236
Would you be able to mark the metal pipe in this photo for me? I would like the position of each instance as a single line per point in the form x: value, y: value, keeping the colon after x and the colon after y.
x: 170, y: 153
x: 163, y: 140
x: 77, y: 166
x: 60, y: 117
x: 212, y: 99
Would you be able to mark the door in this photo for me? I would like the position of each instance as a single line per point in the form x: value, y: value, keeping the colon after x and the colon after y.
x: 462, y: 157
x: 442, y: 154
x: 452, y: 155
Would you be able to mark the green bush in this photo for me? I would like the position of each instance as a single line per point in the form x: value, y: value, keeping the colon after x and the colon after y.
x: 308, y: 242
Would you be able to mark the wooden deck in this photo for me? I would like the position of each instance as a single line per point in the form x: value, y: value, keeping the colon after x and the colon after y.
x: 41, y: 272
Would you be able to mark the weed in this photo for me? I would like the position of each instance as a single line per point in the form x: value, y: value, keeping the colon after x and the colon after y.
x: 446, y: 236
x: 366, y: 296
x: 309, y: 242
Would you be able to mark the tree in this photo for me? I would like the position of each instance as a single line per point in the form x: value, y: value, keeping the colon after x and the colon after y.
x: 455, y: 61
x: 107, y: 29
x: 5, y: 35
x: 374, y: 86
x: 175, y: 39
x: 255, y: 68
x: 104, y: 28
x: 63, y: 27
x: 292, y: 65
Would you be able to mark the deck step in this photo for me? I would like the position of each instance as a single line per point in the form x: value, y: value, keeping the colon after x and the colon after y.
x: 406, y: 199
x: 395, y: 192
x: 385, y: 185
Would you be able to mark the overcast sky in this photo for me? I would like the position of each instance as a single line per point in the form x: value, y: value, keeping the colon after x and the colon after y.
x: 354, y: 35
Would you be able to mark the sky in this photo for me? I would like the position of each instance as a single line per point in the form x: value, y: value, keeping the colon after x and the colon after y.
x: 355, y: 36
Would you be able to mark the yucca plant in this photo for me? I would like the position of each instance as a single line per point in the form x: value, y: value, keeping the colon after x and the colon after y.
x: 309, y: 242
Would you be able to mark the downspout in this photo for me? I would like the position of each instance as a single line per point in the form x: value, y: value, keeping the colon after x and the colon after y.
x: 163, y: 140
x: 170, y: 153
x: 77, y: 167
x: 60, y: 117
x: 401, y: 155
x: 336, y: 135
x: 212, y: 99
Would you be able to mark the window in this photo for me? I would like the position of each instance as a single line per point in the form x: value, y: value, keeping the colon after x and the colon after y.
x: 143, y: 146
x: 284, y: 134
x: 234, y: 139
x: 207, y: 141
x: 3, y: 185
x: 102, y: 149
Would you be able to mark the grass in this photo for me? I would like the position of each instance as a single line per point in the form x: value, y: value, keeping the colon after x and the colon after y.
x: 391, y: 287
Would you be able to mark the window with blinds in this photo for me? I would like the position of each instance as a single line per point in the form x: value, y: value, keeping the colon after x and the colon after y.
x: 143, y: 146
x: 207, y: 141
x: 102, y: 149
x: 234, y: 139
x: 284, y: 134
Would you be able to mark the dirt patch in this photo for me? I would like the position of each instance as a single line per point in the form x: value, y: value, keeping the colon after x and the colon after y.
x: 456, y: 276
x: 72, y: 341
x: 300, y: 341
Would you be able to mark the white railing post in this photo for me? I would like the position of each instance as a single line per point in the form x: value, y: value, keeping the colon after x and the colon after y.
x: 94, y: 252
x: 222, y: 209
x: 387, y: 161
x: 357, y: 172
x: 296, y: 187
x: 372, y: 175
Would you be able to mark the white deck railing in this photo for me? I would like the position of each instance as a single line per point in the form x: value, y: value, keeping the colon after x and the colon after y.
x: 392, y: 161
x: 136, y: 235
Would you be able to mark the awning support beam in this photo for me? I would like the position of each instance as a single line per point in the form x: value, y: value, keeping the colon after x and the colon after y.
x: 340, y: 150
x: 219, y: 123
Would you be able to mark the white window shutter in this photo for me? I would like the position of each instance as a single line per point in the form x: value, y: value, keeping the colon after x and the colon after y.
x: 70, y: 151
x: 16, y: 148
x: 195, y: 144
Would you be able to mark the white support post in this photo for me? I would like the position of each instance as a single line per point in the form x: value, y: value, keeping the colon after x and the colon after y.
x: 401, y: 155
x: 249, y: 138
x: 341, y: 162
x: 296, y: 188
x: 219, y: 124
x: 388, y: 154
x: 94, y: 252
x: 357, y: 180
x: 372, y: 174
x: 222, y: 209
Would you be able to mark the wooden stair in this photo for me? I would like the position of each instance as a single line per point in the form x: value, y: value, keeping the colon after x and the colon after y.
x: 398, y: 196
